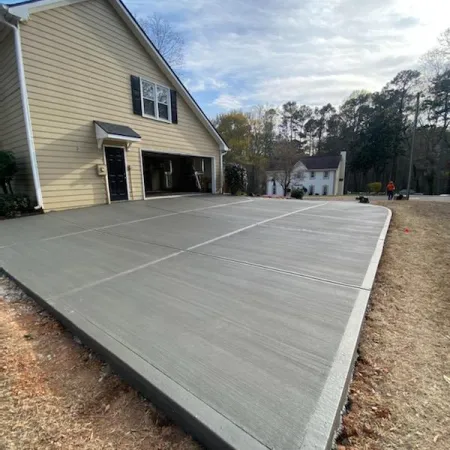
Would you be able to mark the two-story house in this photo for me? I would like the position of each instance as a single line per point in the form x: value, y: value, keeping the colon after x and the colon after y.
x: 92, y: 110
x: 319, y: 174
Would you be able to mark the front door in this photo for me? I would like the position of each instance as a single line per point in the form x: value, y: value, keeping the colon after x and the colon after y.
x: 117, y: 173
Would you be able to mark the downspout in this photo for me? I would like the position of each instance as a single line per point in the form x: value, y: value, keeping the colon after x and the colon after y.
x: 26, y: 112
x: 222, y: 149
x: 221, y: 172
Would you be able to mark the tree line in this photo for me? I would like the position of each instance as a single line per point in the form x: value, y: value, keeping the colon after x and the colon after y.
x: 374, y: 128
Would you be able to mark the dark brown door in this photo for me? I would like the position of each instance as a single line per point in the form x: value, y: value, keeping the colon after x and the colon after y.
x: 117, y: 173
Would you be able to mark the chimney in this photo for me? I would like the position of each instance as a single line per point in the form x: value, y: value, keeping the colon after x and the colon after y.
x: 341, y: 175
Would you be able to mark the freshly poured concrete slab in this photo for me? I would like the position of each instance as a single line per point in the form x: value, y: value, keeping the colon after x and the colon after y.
x: 238, y: 317
x: 27, y: 229
x: 179, y: 232
x: 337, y: 258
x: 105, y: 216
x: 350, y: 212
x: 55, y: 266
x: 254, y: 347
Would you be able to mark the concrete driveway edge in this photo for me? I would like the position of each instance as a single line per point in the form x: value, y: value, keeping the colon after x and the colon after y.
x: 198, y: 419
x: 324, y: 424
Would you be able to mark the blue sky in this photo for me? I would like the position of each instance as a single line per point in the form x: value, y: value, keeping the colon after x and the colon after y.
x: 241, y: 53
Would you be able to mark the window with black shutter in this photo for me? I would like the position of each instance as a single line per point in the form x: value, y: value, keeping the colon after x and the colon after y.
x: 173, y: 106
x: 136, y: 95
x: 154, y: 100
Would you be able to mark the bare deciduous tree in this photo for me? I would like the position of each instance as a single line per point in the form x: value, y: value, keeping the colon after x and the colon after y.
x: 437, y: 60
x: 288, y: 169
x: 169, y: 42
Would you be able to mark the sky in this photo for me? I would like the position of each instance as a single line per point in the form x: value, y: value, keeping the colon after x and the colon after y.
x: 242, y: 53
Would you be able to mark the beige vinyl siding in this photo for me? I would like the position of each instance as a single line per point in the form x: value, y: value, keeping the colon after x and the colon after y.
x: 78, y: 62
x: 12, y: 123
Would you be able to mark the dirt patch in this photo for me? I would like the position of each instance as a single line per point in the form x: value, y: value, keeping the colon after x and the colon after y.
x: 400, y: 395
x: 56, y: 394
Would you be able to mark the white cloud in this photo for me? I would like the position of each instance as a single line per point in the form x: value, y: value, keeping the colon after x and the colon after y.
x: 313, y: 51
x: 226, y: 101
x: 204, y: 83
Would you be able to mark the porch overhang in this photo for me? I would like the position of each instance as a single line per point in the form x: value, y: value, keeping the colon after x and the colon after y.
x: 114, y: 132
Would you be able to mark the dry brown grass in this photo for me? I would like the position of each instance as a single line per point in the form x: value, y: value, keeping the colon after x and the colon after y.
x: 400, y: 395
x: 55, y: 394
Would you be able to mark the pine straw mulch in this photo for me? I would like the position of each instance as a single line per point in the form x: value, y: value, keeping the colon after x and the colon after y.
x: 56, y: 394
x: 400, y: 395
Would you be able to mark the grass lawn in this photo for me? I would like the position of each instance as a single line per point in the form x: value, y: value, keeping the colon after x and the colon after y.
x: 56, y: 394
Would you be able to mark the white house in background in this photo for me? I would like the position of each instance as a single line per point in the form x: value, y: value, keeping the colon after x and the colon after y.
x: 322, y: 175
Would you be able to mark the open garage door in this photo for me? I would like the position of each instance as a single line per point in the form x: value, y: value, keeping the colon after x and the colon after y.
x: 169, y: 173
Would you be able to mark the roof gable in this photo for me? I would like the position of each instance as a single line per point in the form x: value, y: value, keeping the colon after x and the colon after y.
x: 24, y: 9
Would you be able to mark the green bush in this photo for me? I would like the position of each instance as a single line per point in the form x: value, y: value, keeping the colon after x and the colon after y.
x: 236, y: 178
x: 297, y: 193
x: 374, y: 187
x: 12, y: 205
x: 8, y: 168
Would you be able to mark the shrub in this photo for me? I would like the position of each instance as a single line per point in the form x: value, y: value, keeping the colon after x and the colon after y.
x: 12, y: 205
x: 297, y: 193
x: 236, y: 178
x: 8, y: 168
x: 374, y: 187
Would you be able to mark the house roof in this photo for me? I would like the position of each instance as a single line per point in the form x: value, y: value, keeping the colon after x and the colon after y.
x: 23, y: 9
x: 118, y: 130
x: 320, y: 162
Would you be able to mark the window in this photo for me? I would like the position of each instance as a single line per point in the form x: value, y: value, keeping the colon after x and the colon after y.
x: 274, y: 187
x: 311, y: 189
x: 312, y: 175
x: 326, y: 174
x: 155, y: 100
x: 325, y: 190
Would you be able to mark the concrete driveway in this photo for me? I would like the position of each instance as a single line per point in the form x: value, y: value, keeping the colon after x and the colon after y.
x: 239, y: 317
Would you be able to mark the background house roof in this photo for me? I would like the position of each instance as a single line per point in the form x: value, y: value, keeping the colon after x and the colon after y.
x: 321, y: 162
x: 318, y: 162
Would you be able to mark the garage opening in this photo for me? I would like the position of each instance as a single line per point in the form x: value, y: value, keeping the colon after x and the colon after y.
x: 168, y: 173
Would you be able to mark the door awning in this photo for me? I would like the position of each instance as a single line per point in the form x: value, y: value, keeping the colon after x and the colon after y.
x: 114, y: 132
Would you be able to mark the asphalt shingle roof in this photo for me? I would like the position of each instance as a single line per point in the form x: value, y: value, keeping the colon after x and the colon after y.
x: 320, y: 162
x: 121, y: 130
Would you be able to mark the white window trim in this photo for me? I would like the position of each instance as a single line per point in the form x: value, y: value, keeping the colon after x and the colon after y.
x: 326, y: 174
x: 169, y: 105
x: 312, y: 175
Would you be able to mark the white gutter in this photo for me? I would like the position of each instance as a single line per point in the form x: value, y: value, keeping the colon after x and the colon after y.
x: 221, y: 172
x: 26, y: 114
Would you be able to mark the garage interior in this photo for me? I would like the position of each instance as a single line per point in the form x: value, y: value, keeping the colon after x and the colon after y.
x: 168, y: 173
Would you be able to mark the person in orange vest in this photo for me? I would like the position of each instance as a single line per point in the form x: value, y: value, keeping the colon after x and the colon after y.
x: 390, y: 188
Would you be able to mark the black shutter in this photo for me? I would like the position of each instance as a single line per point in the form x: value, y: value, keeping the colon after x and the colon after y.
x: 136, y: 94
x: 173, y: 106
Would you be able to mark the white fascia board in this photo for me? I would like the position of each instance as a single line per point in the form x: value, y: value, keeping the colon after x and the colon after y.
x: 119, y: 137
